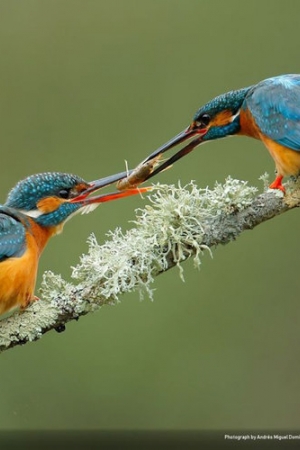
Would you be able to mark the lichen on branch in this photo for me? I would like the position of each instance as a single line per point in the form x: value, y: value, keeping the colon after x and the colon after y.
x: 172, y: 224
x: 176, y: 223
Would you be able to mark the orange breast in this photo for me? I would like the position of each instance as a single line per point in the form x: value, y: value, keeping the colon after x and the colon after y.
x: 18, y: 275
x: 287, y: 161
x: 17, y: 280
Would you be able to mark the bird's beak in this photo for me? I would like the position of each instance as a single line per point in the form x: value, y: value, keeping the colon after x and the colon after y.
x: 185, y: 135
x: 94, y: 186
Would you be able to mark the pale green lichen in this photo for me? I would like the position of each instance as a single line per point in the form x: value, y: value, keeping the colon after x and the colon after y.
x: 265, y: 178
x: 171, y: 228
x: 32, y: 323
x: 173, y: 223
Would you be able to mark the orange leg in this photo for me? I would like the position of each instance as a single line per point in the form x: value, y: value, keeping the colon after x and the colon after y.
x: 277, y: 183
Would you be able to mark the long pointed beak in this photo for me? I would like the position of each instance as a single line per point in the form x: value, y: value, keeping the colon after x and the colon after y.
x: 178, y: 139
x: 94, y: 186
x: 115, y: 195
x: 103, y: 182
x: 183, y: 136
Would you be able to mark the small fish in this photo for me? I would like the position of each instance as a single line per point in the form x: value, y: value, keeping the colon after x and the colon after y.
x: 138, y: 175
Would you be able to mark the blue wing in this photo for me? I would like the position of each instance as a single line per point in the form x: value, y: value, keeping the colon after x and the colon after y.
x: 275, y: 106
x: 12, y: 235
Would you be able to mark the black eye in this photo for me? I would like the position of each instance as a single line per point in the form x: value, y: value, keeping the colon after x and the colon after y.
x: 204, y: 119
x: 64, y: 193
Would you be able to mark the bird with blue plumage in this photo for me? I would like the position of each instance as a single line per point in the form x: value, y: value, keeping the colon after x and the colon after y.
x: 268, y: 111
x: 36, y: 209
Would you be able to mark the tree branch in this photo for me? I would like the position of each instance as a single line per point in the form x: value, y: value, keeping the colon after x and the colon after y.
x: 177, y: 224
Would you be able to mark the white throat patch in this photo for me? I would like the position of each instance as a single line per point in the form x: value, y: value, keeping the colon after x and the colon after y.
x: 34, y: 213
x: 235, y: 115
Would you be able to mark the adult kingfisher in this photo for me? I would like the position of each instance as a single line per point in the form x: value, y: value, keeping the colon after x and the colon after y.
x: 268, y: 111
x: 36, y: 209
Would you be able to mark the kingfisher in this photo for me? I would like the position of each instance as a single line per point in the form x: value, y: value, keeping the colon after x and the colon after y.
x: 36, y: 209
x: 268, y: 111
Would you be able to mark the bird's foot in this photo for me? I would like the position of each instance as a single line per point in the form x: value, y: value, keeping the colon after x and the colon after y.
x: 277, y: 184
x: 28, y: 301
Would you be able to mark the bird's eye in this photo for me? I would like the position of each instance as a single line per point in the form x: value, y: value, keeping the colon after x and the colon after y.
x: 63, y: 193
x: 204, y: 119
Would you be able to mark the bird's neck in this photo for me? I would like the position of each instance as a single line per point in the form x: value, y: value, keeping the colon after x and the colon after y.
x: 248, y: 126
x: 40, y: 234
x: 236, y: 100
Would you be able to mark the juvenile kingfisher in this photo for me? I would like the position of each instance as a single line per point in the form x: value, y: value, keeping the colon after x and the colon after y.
x: 36, y: 209
x: 268, y: 111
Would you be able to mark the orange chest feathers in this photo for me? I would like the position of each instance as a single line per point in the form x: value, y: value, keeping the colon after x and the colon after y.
x: 18, y: 274
x: 287, y: 161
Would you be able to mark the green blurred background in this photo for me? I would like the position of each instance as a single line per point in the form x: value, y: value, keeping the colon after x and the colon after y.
x: 87, y: 84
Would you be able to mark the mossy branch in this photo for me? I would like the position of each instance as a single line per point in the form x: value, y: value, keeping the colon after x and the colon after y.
x: 178, y: 223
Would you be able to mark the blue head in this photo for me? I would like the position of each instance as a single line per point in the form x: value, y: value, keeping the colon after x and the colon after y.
x: 46, y: 196
x: 51, y: 198
x: 219, y: 117
x: 216, y: 119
